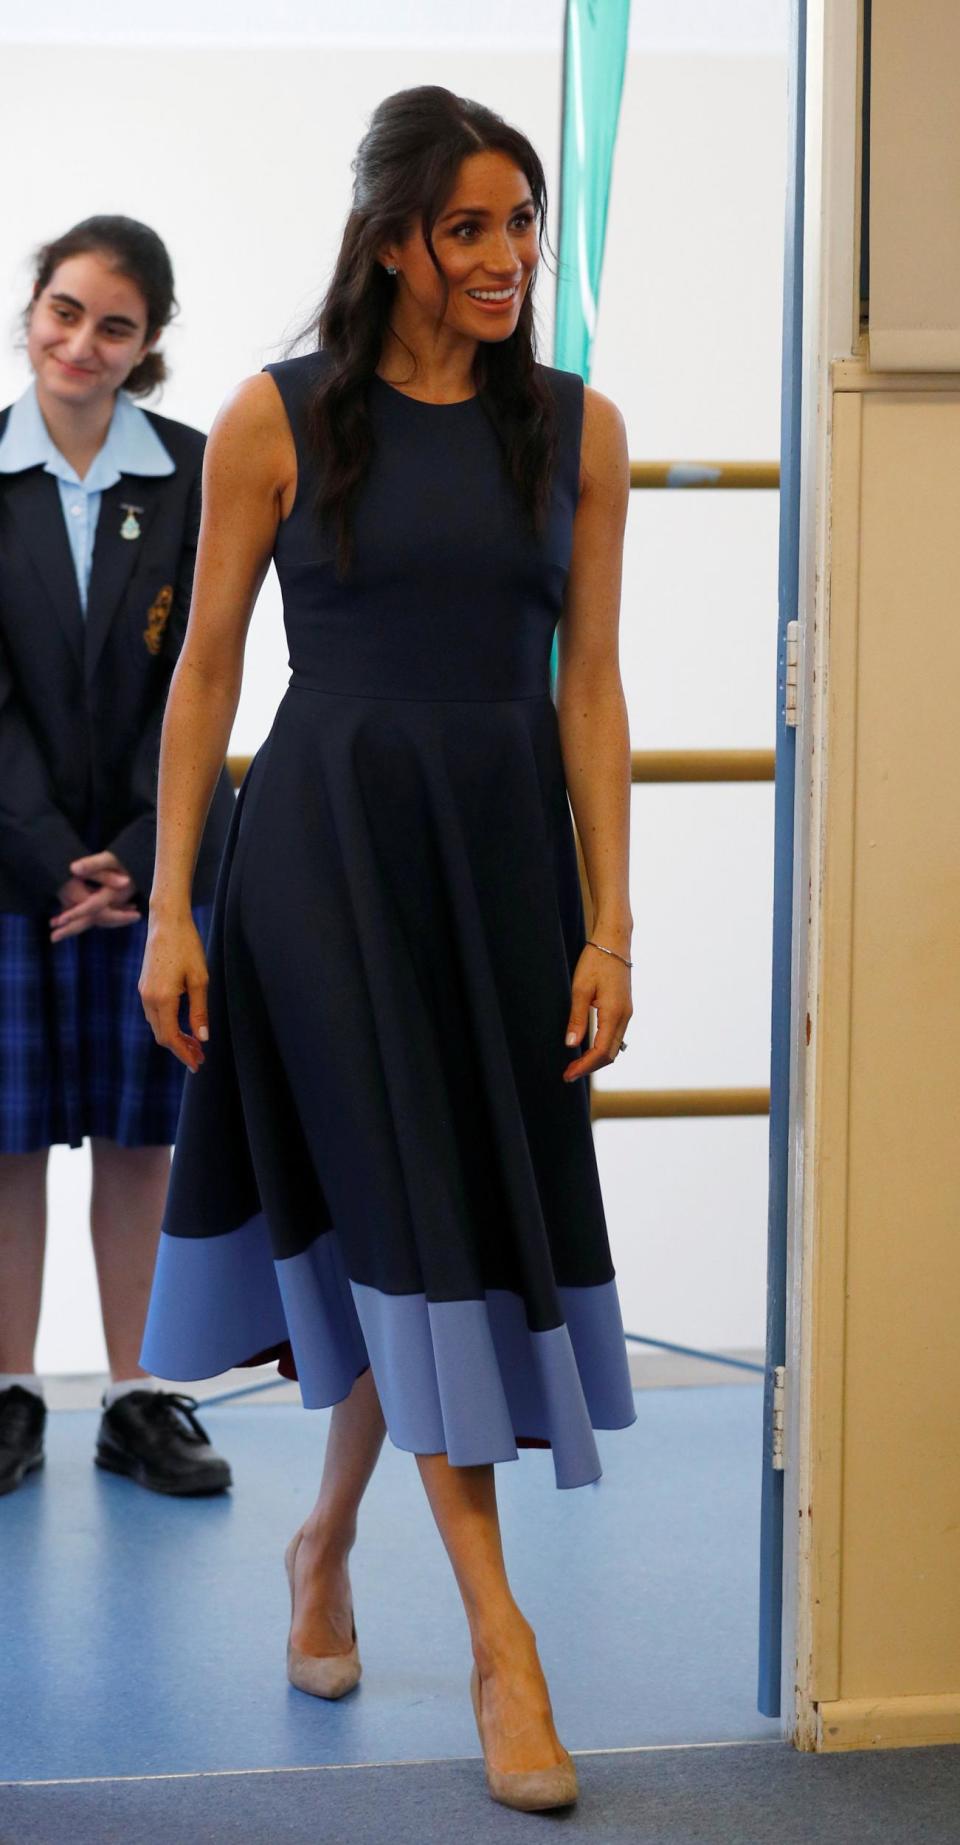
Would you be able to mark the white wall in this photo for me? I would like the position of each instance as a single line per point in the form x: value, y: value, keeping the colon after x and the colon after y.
x: 239, y: 155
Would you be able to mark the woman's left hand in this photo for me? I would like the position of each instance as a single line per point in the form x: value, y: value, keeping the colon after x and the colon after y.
x: 604, y: 982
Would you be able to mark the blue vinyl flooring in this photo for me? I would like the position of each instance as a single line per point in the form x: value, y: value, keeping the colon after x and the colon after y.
x: 747, y: 1794
x: 145, y: 1635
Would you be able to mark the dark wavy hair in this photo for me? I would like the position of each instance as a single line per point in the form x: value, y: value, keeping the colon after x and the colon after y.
x: 405, y: 169
x: 138, y: 253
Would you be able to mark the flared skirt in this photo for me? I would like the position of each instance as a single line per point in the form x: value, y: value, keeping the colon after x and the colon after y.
x: 379, y: 1163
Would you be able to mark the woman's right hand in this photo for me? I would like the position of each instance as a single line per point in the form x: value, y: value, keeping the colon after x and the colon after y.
x: 173, y: 964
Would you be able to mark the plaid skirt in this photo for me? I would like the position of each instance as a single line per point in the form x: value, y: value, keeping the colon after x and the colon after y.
x: 77, y: 1056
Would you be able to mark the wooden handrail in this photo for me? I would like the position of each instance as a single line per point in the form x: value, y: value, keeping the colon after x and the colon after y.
x: 672, y: 1104
x: 687, y: 476
x: 702, y: 765
x: 653, y: 766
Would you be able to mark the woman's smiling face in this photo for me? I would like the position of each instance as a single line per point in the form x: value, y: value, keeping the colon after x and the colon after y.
x: 486, y: 243
x: 87, y: 330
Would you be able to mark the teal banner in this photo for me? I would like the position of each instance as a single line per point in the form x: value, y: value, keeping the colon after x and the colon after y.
x: 594, y: 56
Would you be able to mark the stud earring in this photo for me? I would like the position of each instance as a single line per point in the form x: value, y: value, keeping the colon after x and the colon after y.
x: 390, y: 268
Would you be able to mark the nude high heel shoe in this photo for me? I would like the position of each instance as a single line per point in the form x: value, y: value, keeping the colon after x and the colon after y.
x: 531, y: 1790
x: 327, y: 1675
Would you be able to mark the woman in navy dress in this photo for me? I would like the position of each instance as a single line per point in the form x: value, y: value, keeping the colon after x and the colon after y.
x: 99, y: 512
x: 384, y: 1172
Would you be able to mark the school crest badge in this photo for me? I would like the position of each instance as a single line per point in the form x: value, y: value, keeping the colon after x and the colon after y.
x: 158, y: 615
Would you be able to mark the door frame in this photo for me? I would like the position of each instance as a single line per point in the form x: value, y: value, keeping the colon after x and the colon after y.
x: 831, y: 330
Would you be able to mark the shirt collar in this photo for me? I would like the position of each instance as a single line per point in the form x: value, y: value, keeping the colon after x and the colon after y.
x: 132, y: 445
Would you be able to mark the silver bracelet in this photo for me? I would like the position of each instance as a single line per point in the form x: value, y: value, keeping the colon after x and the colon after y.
x: 608, y: 951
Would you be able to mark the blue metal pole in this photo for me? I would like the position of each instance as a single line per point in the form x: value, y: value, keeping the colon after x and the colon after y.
x: 771, y: 1502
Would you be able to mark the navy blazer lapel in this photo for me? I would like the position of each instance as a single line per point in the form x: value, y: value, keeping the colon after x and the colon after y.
x: 33, y: 501
x: 114, y: 557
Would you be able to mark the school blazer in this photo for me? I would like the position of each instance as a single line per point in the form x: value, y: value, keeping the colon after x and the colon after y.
x: 82, y: 698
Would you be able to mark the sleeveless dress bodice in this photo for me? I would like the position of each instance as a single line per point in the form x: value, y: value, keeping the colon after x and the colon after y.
x: 451, y: 594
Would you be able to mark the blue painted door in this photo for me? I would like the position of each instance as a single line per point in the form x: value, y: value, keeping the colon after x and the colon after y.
x: 771, y: 1513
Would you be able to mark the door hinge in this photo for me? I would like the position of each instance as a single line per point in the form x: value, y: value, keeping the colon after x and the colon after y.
x: 790, y: 679
x: 776, y: 1427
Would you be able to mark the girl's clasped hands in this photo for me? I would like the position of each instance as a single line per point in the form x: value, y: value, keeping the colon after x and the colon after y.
x: 96, y: 896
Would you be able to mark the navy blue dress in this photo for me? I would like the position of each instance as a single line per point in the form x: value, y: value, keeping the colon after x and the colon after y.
x: 379, y: 1162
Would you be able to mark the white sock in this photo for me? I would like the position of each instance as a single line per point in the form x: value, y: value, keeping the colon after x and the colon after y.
x: 125, y: 1384
x: 26, y: 1379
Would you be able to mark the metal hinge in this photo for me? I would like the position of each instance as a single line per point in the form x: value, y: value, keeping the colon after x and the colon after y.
x: 790, y: 681
x: 776, y: 1430
x: 791, y: 676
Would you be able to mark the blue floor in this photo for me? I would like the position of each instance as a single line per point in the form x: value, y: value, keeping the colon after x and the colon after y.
x: 145, y: 1635
x: 747, y: 1794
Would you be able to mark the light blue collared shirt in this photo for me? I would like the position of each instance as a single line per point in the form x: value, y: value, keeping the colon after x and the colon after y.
x: 132, y: 446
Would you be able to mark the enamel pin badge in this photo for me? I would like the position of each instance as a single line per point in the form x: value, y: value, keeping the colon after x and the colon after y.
x: 131, y: 524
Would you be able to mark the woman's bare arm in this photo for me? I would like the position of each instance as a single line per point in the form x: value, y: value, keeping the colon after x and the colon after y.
x: 592, y: 716
x: 243, y: 479
x: 249, y: 477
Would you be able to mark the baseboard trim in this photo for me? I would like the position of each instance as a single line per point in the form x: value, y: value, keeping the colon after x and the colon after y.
x: 888, y: 1723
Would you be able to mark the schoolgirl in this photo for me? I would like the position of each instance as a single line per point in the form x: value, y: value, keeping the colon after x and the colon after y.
x: 99, y: 515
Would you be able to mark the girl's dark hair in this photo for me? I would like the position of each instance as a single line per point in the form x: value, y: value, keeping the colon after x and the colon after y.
x: 405, y: 169
x: 136, y: 252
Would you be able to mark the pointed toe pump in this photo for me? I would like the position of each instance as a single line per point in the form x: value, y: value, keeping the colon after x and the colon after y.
x: 327, y: 1675
x: 531, y: 1790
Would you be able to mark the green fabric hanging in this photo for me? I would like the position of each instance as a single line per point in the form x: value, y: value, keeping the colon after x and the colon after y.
x: 594, y: 56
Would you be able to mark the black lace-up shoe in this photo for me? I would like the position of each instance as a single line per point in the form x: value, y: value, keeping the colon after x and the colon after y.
x: 23, y: 1418
x: 154, y: 1437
